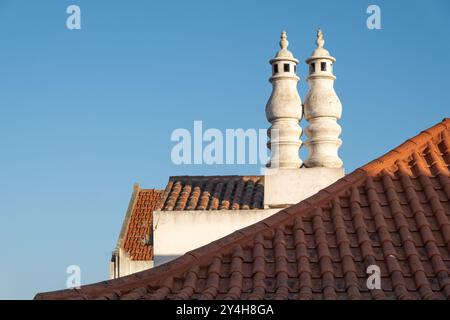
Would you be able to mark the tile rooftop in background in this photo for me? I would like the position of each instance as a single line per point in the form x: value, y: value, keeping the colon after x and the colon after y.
x: 213, y: 193
x: 140, y: 225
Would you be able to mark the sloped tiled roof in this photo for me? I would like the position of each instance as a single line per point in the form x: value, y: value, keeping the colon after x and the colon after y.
x: 394, y: 213
x: 213, y: 193
x: 139, y: 225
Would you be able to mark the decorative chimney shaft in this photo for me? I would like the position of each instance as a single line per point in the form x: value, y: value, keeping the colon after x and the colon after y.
x: 322, y: 110
x: 287, y: 181
x: 284, y: 110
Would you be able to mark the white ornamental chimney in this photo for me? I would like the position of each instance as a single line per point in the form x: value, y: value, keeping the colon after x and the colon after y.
x: 284, y: 110
x: 286, y: 180
x: 322, y: 110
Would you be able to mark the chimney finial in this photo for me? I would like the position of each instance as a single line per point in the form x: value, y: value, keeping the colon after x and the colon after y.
x: 320, y: 41
x: 284, y: 42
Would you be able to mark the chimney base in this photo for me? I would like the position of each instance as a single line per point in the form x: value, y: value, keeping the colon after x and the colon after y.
x: 286, y: 187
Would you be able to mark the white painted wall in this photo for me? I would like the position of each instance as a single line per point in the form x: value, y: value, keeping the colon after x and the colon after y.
x: 284, y: 187
x: 176, y: 232
x: 125, y: 266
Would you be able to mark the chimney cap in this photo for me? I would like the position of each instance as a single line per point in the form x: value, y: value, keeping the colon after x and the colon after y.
x: 284, y: 53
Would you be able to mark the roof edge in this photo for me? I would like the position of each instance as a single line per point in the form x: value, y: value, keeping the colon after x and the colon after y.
x: 404, y: 149
x: 126, y: 222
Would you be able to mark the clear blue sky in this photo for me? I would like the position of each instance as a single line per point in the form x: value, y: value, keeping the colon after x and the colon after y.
x: 84, y: 114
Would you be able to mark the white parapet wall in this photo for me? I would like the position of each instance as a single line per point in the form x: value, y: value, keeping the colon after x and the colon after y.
x: 285, y: 187
x: 176, y: 232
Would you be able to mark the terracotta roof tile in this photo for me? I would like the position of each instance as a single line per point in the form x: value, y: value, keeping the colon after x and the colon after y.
x: 393, y: 212
x: 139, y: 228
x: 213, y: 193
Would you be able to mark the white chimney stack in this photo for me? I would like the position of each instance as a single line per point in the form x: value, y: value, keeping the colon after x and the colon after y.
x: 322, y: 110
x: 287, y: 180
x: 284, y: 110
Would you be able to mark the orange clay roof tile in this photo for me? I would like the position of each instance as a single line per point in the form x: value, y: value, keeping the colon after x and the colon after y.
x: 140, y: 225
x: 394, y: 212
x: 213, y: 193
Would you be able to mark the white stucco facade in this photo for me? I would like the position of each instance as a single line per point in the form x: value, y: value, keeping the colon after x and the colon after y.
x: 122, y: 265
x: 176, y: 232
